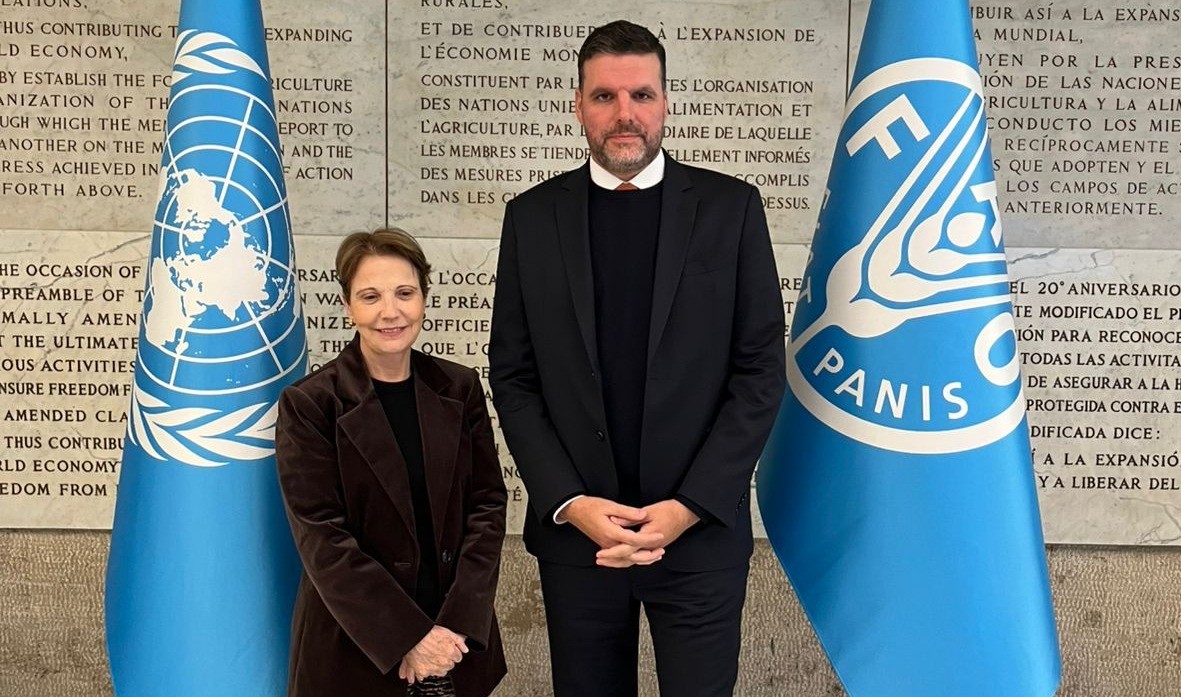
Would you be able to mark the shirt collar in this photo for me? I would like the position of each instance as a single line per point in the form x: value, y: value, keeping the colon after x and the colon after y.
x: 648, y: 177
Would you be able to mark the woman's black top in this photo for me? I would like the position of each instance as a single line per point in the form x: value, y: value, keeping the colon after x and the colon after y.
x: 401, y: 409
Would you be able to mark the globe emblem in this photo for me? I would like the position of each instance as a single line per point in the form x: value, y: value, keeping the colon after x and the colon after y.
x: 221, y: 310
x: 222, y: 328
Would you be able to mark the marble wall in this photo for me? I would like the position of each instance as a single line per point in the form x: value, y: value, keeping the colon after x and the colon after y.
x: 430, y: 114
x: 475, y: 105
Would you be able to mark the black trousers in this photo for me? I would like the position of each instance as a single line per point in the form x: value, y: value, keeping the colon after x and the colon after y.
x: 593, y: 615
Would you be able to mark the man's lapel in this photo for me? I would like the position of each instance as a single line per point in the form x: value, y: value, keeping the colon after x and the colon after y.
x: 574, y: 239
x: 678, y: 210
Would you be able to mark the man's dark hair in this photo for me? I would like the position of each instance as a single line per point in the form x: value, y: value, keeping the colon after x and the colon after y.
x: 620, y: 38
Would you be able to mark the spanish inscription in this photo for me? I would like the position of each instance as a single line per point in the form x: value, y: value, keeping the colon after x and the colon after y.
x: 1084, y: 126
x: 1100, y: 342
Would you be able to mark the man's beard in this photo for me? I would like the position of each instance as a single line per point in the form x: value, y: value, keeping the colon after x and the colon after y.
x: 630, y: 160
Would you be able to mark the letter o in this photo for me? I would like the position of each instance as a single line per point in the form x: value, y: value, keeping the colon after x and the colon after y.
x: 988, y: 337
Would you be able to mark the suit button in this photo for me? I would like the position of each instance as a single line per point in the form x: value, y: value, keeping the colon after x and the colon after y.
x: 599, y: 435
x: 446, y: 556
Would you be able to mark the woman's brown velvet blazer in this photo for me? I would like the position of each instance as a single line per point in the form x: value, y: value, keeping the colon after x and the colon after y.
x: 348, y: 499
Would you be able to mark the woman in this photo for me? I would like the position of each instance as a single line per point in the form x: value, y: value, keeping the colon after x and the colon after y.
x: 396, y: 502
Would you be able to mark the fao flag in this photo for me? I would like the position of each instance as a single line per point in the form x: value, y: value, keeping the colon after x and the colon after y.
x: 202, y: 572
x: 898, y: 489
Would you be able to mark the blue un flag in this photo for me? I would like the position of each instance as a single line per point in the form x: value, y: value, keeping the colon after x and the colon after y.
x: 202, y: 571
x: 898, y: 487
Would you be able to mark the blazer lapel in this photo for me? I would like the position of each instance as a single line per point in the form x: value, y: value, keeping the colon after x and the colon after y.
x: 441, y: 421
x: 574, y: 240
x: 367, y: 427
x: 678, y: 211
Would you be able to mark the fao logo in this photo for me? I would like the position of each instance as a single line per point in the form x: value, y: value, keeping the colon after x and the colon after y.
x: 903, y: 335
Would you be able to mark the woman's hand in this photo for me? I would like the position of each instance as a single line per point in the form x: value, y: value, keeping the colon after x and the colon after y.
x: 435, y: 655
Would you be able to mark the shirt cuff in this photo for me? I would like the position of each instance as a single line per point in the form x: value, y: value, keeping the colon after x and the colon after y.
x: 562, y: 507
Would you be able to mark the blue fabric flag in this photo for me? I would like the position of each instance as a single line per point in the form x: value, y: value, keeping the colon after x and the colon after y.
x: 898, y: 487
x: 202, y: 572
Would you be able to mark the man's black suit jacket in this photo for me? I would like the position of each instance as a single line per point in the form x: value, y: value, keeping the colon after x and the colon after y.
x: 715, y: 373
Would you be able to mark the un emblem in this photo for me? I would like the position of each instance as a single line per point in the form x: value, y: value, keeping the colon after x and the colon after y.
x: 222, y: 319
x: 903, y: 335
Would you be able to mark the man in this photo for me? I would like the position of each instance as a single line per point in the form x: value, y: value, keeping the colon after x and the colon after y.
x: 637, y: 365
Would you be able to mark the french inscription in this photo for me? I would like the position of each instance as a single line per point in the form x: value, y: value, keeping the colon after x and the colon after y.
x: 516, y: 127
